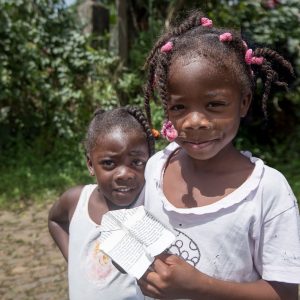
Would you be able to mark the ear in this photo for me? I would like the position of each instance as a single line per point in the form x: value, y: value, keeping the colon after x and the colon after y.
x: 245, y: 104
x: 90, y: 166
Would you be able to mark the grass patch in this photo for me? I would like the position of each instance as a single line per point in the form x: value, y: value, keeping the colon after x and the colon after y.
x: 32, y: 177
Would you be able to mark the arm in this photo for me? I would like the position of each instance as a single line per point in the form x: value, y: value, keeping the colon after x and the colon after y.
x: 172, y: 278
x: 60, y: 216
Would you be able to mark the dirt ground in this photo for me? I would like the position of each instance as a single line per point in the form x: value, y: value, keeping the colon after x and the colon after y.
x: 31, y: 265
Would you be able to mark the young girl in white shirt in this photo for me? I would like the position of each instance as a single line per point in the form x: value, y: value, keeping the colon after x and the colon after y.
x: 236, y: 219
x: 118, y: 144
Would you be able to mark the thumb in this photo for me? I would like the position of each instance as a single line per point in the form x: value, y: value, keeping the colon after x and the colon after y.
x: 169, y: 259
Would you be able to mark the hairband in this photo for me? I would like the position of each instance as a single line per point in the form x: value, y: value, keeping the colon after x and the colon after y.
x: 225, y: 37
x: 167, y: 47
x: 252, y: 60
x: 155, y: 133
x: 206, y: 22
x: 168, y: 131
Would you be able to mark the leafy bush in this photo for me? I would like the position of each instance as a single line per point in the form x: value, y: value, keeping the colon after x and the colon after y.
x: 50, y: 78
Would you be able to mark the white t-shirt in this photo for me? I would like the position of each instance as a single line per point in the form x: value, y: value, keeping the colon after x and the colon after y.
x: 92, y: 276
x: 252, y: 233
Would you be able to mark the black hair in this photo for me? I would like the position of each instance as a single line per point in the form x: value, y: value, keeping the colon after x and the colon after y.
x: 128, y: 118
x: 190, y: 39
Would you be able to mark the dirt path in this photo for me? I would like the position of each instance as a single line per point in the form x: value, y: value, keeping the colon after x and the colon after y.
x: 31, y: 265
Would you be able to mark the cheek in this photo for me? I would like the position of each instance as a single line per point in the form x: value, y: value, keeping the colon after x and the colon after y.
x: 103, y: 178
x: 140, y: 177
x: 176, y: 121
x: 229, y: 125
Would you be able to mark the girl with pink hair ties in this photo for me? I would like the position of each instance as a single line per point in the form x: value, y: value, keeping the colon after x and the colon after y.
x: 235, y: 218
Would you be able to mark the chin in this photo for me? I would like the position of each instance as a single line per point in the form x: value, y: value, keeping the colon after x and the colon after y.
x: 123, y: 202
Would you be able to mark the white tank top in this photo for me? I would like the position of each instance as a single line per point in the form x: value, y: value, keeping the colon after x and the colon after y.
x: 92, y: 275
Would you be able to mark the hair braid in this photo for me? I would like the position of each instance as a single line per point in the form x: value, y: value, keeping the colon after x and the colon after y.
x: 140, y: 117
x: 192, y: 38
x: 192, y: 21
x: 276, y: 58
x: 270, y: 71
x: 162, y: 74
x: 158, y: 63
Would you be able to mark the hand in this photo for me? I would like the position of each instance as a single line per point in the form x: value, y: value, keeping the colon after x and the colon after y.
x: 169, y: 277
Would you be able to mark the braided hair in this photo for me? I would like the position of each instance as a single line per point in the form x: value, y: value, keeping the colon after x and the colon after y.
x: 195, y: 37
x: 127, y: 118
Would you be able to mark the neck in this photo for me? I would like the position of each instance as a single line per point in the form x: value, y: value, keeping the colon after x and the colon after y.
x: 113, y: 206
x: 224, y: 161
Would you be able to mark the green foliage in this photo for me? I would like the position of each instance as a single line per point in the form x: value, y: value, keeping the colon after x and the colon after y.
x: 50, y: 78
x: 29, y: 176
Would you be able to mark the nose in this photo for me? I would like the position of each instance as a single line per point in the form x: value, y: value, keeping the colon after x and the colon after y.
x: 196, y: 120
x: 124, y: 173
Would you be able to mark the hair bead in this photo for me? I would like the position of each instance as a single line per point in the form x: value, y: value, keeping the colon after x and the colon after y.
x: 206, y: 22
x: 248, y: 56
x: 155, y: 133
x: 168, y: 131
x: 167, y: 47
x: 257, y: 60
x: 225, y: 37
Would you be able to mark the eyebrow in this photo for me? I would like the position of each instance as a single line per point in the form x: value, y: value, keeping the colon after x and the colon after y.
x: 136, y: 152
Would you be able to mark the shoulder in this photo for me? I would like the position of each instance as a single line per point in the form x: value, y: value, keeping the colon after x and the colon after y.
x: 276, y: 192
x: 157, y: 161
x: 71, y: 196
x: 67, y: 202
x: 273, y: 181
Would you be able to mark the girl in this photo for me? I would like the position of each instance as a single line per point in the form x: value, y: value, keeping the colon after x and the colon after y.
x: 118, y: 143
x: 236, y: 219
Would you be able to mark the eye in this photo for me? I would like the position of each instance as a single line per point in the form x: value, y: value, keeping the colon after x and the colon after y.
x: 176, y: 107
x: 138, y: 163
x: 107, y: 163
x: 216, y: 104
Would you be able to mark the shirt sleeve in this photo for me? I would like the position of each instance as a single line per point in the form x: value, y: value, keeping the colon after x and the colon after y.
x: 278, y: 252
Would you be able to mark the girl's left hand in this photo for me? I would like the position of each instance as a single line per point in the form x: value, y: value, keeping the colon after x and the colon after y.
x: 169, y: 277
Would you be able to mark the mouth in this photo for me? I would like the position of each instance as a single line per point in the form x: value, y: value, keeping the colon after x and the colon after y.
x: 124, y: 189
x: 199, y: 144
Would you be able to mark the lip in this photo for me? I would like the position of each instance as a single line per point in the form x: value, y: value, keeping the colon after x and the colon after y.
x: 123, y: 190
x: 199, y: 145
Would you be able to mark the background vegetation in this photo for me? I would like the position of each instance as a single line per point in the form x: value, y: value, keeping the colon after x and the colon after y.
x: 51, y: 80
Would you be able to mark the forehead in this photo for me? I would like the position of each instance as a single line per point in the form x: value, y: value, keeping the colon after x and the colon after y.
x: 122, y: 140
x: 190, y: 73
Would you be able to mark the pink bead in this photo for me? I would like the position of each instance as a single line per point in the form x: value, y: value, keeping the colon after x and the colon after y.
x: 225, y: 37
x: 206, y: 22
x: 257, y: 60
x: 248, y: 56
x: 168, y: 131
x: 167, y: 47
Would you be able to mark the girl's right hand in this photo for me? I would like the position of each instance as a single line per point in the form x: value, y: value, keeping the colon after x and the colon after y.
x: 169, y: 277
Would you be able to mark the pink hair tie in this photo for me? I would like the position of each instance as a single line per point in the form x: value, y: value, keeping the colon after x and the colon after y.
x: 167, y: 47
x: 168, y: 131
x: 225, y: 37
x: 206, y: 22
x: 248, y: 56
x: 257, y: 60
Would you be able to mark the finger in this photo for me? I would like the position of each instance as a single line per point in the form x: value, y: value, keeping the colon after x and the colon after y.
x: 160, y: 266
x: 170, y: 259
x: 148, y: 289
